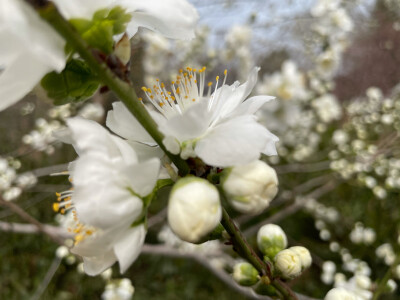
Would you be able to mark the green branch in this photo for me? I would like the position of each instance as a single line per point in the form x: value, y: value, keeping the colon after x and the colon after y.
x: 123, y: 90
x: 246, y: 251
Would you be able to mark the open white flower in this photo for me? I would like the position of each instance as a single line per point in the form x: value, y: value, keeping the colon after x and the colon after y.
x: 108, y: 184
x: 30, y: 48
x: 221, y: 128
x: 172, y: 18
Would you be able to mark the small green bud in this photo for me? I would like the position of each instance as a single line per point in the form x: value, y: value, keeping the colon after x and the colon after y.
x: 245, y: 274
x: 271, y: 239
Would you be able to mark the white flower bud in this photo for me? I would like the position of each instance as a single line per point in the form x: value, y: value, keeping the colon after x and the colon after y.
x: 194, y: 208
x: 339, y: 294
x: 288, y: 263
x: 245, y: 274
x: 304, y: 255
x: 271, y: 239
x: 251, y: 187
x: 62, y: 252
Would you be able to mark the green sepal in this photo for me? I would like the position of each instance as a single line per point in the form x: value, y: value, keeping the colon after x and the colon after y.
x: 99, y: 31
x: 75, y: 83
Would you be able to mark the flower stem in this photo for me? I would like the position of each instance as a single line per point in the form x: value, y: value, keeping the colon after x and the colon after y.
x: 123, y: 90
x: 246, y: 251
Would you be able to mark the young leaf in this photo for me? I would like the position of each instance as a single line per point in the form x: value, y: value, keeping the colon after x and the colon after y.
x: 74, y: 84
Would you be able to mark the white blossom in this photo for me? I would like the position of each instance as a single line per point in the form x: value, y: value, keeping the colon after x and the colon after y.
x: 221, y: 129
x: 108, y: 170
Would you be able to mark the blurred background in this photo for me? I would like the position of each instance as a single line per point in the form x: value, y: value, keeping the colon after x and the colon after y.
x: 333, y: 66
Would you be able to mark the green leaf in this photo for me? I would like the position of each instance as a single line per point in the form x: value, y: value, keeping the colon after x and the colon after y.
x: 99, y: 31
x: 74, y: 84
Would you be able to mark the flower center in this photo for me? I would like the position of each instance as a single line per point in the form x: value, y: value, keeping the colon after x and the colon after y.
x: 187, y: 89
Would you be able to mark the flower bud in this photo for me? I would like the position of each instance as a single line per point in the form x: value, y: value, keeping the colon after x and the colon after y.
x: 288, y: 263
x: 304, y: 255
x: 251, y: 187
x: 245, y: 274
x: 194, y: 208
x: 271, y: 239
x: 339, y: 294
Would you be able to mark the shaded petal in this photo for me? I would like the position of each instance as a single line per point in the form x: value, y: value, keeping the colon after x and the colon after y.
x: 81, y: 9
x: 19, y: 78
x: 191, y: 124
x: 123, y: 123
x: 97, y: 264
x: 96, y: 245
x: 91, y: 137
x: 142, y: 177
x: 101, y: 194
x: 129, y: 245
x: 145, y: 152
x: 174, y: 18
x: 234, y: 142
x: 36, y: 37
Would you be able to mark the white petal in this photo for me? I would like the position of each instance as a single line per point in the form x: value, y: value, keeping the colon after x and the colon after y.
x: 81, y: 9
x: 128, y: 246
x: 95, y: 245
x: 19, y: 78
x: 191, y: 124
x: 97, y: 264
x: 251, y: 105
x: 123, y: 123
x: 91, y: 137
x: 37, y: 37
x: 101, y: 194
x: 228, y: 98
x: 145, y: 151
x: 234, y: 142
x: 174, y: 18
x: 142, y: 177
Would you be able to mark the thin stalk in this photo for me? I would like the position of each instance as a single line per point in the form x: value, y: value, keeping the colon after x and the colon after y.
x: 247, y: 252
x: 123, y: 90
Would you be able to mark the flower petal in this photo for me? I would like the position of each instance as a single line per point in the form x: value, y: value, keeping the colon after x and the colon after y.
x: 189, y: 125
x: 19, y: 78
x: 123, y: 123
x: 101, y: 194
x: 174, y: 18
x: 228, y: 98
x: 142, y: 177
x: 129, y: 245
x: 91, y: 137
x: 250, y: 106
x: 236, y: 141
x: 94, y: 265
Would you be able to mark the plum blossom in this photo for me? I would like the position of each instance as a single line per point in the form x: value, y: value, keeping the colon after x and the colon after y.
x: 106, y: 201
x: 220, y: 128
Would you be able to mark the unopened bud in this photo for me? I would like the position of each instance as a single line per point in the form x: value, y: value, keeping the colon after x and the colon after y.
x: 339, y: 294
x: 304, y: 255
x: 194, y: 208
x: 251, y: 187
x: 288, y: 264
x: 271, y: 239
x: 245, y: 274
